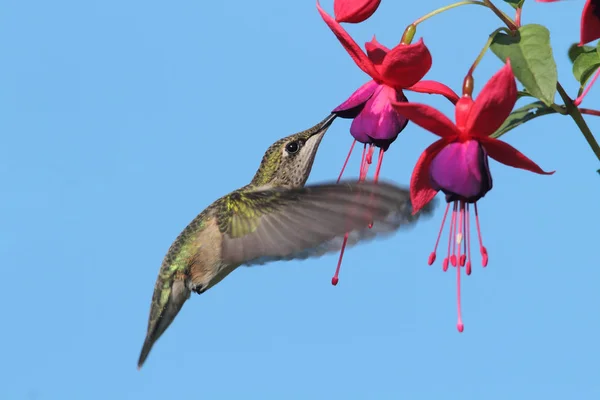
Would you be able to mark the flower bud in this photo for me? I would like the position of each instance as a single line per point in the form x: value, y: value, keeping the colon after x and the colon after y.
x: 354, y: 11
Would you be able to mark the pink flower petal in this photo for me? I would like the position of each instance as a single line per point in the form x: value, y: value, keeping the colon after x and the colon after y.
x: 359, y: 57
x: 461, y: 171
x: 354, y: 11
x: 405, y: 65
x: 427, y: 118
x: 508, y: 155
x: 378, y: 120
x: 351, y: 107
x: 494, y: 103
x: 590, y: 22
x: 433, y: 87
x: 421, y: 191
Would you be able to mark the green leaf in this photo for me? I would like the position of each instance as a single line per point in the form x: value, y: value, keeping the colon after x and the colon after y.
x: 575, y: 50
x: 522, y: 115
x: 531, y: 58
x: 585, y: 65
x: 515, y: 3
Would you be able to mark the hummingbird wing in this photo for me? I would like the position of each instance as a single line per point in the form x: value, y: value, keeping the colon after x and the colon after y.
x: 283, y: 224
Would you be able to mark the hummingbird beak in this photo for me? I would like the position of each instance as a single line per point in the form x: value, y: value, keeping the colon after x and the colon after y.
x: 315, y: 134
x: 322, y: 126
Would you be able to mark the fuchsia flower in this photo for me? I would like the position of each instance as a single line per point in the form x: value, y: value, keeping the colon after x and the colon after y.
x: 375, y: 122
x: 403, y: 67
x: 590, y: 20
x: 457, y: 164
x: 590, y: 30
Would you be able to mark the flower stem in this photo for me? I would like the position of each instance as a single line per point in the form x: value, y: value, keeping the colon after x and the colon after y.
x: 485, y: 49
x: 448, y: 7
x: 559, y: 109
x: 518, y: 17
x: 505, y: 18
x: 578, y: 118
x: 589, y: 111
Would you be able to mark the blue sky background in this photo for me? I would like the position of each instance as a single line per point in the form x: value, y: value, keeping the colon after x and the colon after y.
x: 122, y: 120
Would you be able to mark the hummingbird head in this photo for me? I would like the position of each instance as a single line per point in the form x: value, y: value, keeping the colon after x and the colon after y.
x: 288, y: 161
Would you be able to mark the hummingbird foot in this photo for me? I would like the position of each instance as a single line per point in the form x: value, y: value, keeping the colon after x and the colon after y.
x: 198, y: 289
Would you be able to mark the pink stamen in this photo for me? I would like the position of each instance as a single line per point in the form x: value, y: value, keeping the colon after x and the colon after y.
x: 450, y: 244
x: 432, y: 256
x: 445, y: 264
x: 336, y: 276
x: 459, y: 323
x: 362, y: 162
x: 468, y: 241
x: 363, y: 165
x: 482, y: 249
x: 453, y: 231
x: 459, y: 238
x: 370, y: 154
x: 377, y: 171
x: 379, y: 161
x: 459, y: 234
x: 346, y: 162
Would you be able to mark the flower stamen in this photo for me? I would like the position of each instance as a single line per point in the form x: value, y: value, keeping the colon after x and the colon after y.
x: 452, y: 222
x: 379, y: 162
x: 459, y: 324
x: 336, y: 276
x: 432, y: 256
x: 346, y: 162
x: 363, y: 163
x: 454, y: 235
x: 482, y: 249
x: 377, y: 171
x: 459, y: 237
x: 468, y: 240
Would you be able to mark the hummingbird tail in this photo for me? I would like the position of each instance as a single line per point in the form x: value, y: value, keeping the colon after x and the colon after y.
x: 162, y: 315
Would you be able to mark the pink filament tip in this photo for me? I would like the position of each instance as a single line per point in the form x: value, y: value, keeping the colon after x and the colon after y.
x: 483, y: 250
x: 445, y: 264
x: 370, y: 154
x: 335, y: 279
x: 468, y: 268
x: 463, y: 260
x: 453, y: 260
x: 431, y: 259
x: 460, y: 327
x: 371, y: 225
x: 484, y: 260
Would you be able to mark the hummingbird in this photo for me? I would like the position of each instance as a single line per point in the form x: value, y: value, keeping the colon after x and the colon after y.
x: 275, y: 217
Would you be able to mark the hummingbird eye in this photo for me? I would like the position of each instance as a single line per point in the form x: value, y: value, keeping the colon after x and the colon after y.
x: 292, y: 147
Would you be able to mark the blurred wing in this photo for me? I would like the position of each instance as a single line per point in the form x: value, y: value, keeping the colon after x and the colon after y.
x: 285, y: 224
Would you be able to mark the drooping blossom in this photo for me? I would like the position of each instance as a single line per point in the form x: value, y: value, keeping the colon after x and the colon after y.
x: 590, y: 20
x: 354, y: 11
x: 589, y: 31
x: 457, y: 164
x: 375, y: 123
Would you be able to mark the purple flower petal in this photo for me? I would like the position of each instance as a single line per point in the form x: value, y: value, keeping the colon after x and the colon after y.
x: 355, y: 103
x: 461, y: 171
x: 378, y: 122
